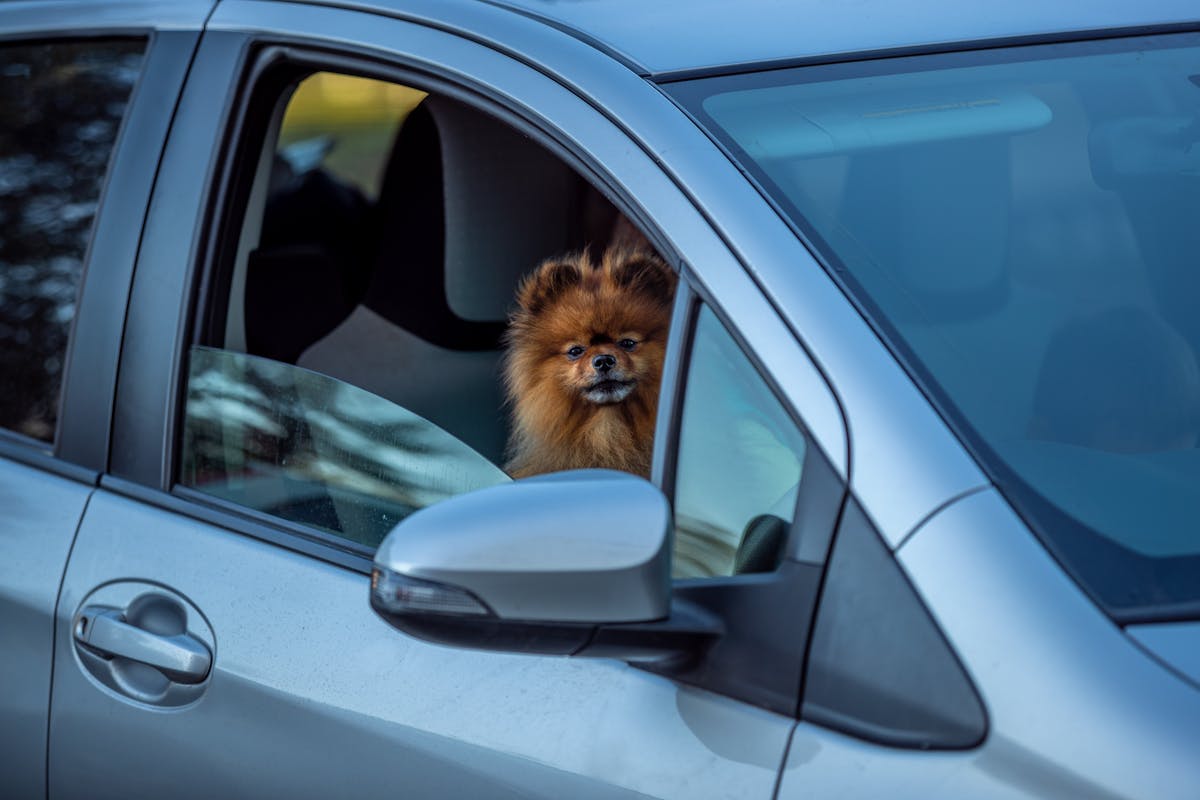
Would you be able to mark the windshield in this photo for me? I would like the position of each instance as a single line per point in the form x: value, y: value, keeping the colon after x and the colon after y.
x: 1023, y: 225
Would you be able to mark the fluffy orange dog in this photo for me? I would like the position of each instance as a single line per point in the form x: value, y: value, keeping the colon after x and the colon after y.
x: 584, y: 362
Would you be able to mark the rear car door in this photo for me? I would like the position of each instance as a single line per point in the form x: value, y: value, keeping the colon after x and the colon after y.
x: 85, y: 116
x: 214, y: 635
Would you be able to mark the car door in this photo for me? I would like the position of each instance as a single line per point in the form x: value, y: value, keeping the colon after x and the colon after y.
x: 214, y: 634
x: 84, y: 120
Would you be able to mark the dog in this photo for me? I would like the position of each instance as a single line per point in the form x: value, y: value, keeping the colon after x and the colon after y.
x: 584, y: 358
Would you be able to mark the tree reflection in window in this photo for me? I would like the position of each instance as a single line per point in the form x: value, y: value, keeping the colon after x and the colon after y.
x: 311, y: 449
x: 61, y: 105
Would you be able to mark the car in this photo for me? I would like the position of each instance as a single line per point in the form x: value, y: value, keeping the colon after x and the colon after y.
x: 922, y: 515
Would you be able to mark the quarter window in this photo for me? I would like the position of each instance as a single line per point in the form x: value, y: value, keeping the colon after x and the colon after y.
x: 739, y: 463
x: 61, y: 106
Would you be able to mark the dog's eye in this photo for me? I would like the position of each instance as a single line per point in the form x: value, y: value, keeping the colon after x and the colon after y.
x: 627, y: 344
x: 575, y: 352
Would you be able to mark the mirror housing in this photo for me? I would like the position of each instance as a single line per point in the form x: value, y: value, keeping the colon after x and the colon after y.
x: 570, y: 563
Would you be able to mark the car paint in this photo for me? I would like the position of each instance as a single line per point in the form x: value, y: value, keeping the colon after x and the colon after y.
x: 717, y: 37
x: 369, y: 711
x: 41, y: 513
x: 555, y: 733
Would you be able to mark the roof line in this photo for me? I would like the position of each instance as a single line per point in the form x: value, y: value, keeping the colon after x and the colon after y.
x: 624, y: 58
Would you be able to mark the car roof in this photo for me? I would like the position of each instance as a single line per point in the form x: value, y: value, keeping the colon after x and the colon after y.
x: 664, y: 39
x: 669, y: 36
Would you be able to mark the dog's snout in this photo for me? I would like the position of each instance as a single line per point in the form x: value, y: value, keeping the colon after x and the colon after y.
x: 604, y: 362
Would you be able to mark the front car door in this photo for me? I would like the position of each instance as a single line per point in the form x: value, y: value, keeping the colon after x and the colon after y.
x: 230, y: 539
x: 85, y: 117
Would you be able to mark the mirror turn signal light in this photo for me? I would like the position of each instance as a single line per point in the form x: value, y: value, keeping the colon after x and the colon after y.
x: 394, y: 593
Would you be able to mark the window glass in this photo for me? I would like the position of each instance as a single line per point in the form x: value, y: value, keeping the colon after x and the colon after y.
x: 311, y: 449
x: 340, y: 382
x: 1021, y: 224
x: 739, y: 463
x: 61, y: 107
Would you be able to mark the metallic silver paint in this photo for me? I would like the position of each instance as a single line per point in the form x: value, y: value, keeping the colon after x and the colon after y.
x: 720, y: 33
x: 1176, y: 643
x: 38, y: 517
x: 368, y: 711
x: 1074, y: 707
x: 23, y: 17
x: 588, y: 546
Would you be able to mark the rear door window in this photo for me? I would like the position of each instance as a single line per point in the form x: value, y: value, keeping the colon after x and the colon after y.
x: 61, y: 107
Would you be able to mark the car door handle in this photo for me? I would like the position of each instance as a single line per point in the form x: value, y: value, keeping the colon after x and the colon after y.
x: 181, y: 657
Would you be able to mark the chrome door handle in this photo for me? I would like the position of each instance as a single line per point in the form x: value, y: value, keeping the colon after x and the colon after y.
x: 181, y: 658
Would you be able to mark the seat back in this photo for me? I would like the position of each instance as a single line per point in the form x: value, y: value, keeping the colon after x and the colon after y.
x: 467, y: 206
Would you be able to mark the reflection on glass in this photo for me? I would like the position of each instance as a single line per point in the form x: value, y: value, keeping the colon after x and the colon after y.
x: 305, y: 447
x: 1022, y: 224
x: 740, y: 457
x: 60, y: 109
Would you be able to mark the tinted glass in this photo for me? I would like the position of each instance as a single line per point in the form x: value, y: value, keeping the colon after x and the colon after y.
x: 739, y: 463
x: 60, y: 110
x: 1021, y: 224
x: 305, y: 447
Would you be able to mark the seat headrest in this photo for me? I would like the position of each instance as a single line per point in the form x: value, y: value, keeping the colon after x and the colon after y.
x: 468, y: 205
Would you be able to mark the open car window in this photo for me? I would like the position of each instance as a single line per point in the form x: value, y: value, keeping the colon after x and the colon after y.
x: 312, y: 449
x: 346, y: 370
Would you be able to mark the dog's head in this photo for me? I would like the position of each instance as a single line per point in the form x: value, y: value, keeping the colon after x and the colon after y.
x: 592, y: 333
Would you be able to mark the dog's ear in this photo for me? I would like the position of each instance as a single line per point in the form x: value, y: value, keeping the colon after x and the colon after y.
x: 646, y: 274
x: 547, y: 282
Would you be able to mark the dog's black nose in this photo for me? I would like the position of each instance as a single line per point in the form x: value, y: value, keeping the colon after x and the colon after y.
x: 604, y: 362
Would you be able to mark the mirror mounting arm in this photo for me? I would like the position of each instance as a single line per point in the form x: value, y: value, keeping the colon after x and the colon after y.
x: 663, y: 645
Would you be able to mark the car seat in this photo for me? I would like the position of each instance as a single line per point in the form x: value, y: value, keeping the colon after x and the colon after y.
x: 467, y: 206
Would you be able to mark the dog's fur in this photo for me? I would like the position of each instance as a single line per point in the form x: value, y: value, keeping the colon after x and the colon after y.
x: 575, y: 317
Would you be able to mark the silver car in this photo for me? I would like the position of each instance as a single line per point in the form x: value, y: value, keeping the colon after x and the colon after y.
x: 924, y: 509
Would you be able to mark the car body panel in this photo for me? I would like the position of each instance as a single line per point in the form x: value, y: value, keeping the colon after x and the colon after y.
x: 311, y: 694
x: 721, y: 34
x: 295, y: 640
x: 1176, y: 643
x: 367, y: 711
x: 41, y: 513
x: 25, y: 17
x: 1041, y: 654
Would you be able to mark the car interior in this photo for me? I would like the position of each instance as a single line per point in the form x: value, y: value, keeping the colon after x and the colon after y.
x: 406, y: 295
x: 389, y: 274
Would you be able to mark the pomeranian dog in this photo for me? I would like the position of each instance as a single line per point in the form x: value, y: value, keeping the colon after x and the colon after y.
x: 585, y: 349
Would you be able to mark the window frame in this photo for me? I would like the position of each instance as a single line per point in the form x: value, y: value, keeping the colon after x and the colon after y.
x: 247, y: 57
x: 176, y: 257
x: 617, y: 156
x: 748, y: 604
x: 79, y: 447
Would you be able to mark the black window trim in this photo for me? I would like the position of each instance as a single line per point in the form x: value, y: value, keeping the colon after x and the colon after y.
x: 732, y: 666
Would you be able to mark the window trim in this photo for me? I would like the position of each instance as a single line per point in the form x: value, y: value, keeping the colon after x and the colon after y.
x: 88, y: 389
x: 273, y: 530
x: 744, y: 602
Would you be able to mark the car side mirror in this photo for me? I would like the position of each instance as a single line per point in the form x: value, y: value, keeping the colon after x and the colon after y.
x: 573, y: 563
